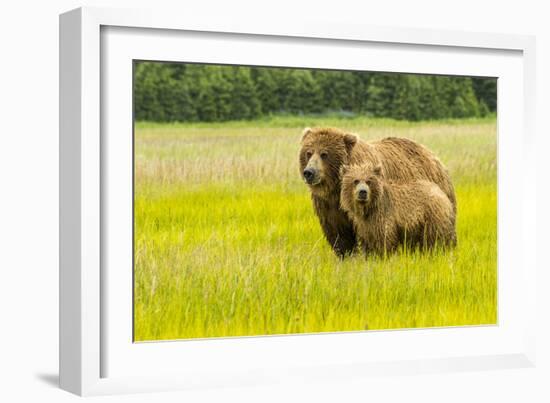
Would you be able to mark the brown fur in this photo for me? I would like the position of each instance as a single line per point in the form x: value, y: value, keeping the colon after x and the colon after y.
x: 400, y: 158
x: 394, y: 214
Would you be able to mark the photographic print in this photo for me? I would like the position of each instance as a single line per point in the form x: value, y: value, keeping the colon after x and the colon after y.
x: 272, y: 201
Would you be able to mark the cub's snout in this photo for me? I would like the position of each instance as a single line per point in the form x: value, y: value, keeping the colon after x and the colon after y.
x: 362, y: 192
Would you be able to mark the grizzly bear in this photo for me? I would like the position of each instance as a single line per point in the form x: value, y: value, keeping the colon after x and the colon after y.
x: 325, y: 150
x: 388, y: 214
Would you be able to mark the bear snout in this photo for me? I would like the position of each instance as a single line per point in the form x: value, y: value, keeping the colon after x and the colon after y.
x: 362, y: 193
x: 309, y: 175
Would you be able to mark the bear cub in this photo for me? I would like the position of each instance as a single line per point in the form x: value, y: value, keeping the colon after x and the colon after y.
x: 388, y: 214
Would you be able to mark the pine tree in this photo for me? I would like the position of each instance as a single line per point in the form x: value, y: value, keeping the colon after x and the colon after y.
x: 406, y: 103
x: 185, y: 107
x: 486, y: 92
x: 244, y: 101
x: 266, y: 88
x: 148, y: 78
x: 381, y: 94
x: 462, y: 100
x: 304, y: 94
x: 362, y: 79
x: 223, y: 89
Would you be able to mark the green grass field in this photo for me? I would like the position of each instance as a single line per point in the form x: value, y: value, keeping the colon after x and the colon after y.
x: 227, y: 243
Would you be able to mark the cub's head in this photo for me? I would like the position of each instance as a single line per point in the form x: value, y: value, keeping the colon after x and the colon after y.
x: 361, y: 188
x: 322, y: 154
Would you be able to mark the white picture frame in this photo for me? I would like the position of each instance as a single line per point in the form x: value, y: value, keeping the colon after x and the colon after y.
x: 96, y: 354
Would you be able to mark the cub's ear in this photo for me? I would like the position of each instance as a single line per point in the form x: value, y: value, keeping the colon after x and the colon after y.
x: 377, y: 170
x: 350, y: 140
x: 344, y: 170
x: 306, y: 132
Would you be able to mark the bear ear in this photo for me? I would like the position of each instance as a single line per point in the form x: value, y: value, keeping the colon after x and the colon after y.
x: 306, y: 132
x: 350, y: 140
x: 377, y: 170
x: 344, y: 170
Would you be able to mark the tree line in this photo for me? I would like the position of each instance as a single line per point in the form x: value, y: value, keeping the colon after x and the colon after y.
x: 168, y: 92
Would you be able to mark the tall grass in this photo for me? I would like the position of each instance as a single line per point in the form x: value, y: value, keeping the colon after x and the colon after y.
x: 227, y: 244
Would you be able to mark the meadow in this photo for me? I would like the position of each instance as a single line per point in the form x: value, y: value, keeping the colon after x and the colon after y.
x: 226, y: 242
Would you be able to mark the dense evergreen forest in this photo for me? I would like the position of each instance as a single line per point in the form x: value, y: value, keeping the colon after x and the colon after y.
x: 175, y: 92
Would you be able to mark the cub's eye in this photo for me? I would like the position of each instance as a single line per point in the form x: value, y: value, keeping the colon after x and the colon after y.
x: 356, y: 182
x: 324, y: 155
x: 308, y: 154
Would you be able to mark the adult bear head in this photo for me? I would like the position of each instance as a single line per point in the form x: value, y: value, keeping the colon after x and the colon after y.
x: 323, y: 152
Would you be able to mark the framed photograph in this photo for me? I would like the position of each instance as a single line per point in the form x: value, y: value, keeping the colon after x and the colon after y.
x: 243, y: 203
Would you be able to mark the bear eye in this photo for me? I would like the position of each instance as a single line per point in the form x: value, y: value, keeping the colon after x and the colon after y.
x: 308, y: 154
x: 324, y: 155
x: 356, y: 182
